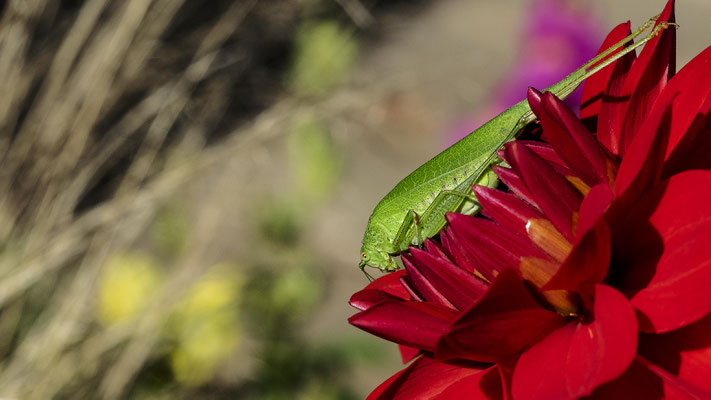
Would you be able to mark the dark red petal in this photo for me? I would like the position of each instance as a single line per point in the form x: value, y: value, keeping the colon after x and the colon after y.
x: 471, y: 255
x: 410, y: 290
x: 638, y: 382
x: 463, y: 257
x: 594, y: 87
x: 423, y: 288
x: 578, y: 357
x: 408, y: 353
x: 665, y: 246
x: 675, y: 388
x: 690, y: 89
x: 515, y: 184
x: 494, y: 247
x: 534, y: 97
x: 426, y: 379
x: 650, y: 72
x: 644, y: 380
x: 486, y: 385
x: 410, y: 323
x: 545, y: 151
x: 642, y: 165
x: 693, y: 150
x: 613, y: 104
x: 685, y: 353
x: 385, y: 288
x: 553, y: 194
x: 594, y: 205
x: 507, y: 210
x: 571, y: 140
x: 500, y: 325
x: 460, y: 287
x: 603, y: 349
x: 435, y: 249
x: 587, y: 263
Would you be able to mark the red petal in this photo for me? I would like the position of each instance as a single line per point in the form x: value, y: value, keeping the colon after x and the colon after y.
x: 553, y: 194
x: 460, y: 287
x: 685, y: 353
x: 435, y: 249
x: 692, y: 116
x: 595, y: 86
x: 571, y: 140
x: 414, y: 296
x: 579, y: 357
x: 545, y: 151
x: 690, y: 89
x: 515, y: 184
x: 463, y: 256
x: 642, y: 165
x: 385, y: 288
x: 675, y: 388
x: 613, y: 105
x: 410, y: 323
x: 534, y: 97
x: 638, y: 382
x: 594, y: 205
x: 648, y: 75
x: 500, y: 325
x: 408, y: 353
x: 422, y: 287
x: 692, y: 152
x: 486, y: 385
x: 665, y: 245
x: 587, y: 263
x: 426, y: 379
x: 507, y: 210
x: 644, y: 380
x: 494, y: 247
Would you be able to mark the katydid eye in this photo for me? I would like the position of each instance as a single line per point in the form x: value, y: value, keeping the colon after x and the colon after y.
x: 363, y: 256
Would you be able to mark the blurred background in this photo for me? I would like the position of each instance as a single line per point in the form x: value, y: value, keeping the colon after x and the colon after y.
x: 184, y: 184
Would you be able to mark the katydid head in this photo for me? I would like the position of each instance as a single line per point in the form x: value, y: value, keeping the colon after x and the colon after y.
x: 372, y: 257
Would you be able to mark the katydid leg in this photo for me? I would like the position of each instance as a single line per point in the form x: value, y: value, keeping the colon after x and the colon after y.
x: 436, y: 212
x: 406, y: 236
x: 412, y: 220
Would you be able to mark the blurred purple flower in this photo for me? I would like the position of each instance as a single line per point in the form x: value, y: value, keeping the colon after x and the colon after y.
x: 559, y: 36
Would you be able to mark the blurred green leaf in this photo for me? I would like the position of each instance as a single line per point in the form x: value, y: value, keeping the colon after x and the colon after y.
x: 278, y: 220
x: 324, y: 56
x: 170, y: 229
x: 313, y: 160
x: 297, y: 291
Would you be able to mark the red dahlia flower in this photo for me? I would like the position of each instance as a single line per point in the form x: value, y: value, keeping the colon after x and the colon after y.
x: 592, y: 275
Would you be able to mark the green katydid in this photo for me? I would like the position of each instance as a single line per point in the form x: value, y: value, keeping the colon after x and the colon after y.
x: 415, y: 208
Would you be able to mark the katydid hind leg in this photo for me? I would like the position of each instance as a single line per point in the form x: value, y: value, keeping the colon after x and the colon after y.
x: 433, y: 220
x: 403, y: 238
x: 447, y: 200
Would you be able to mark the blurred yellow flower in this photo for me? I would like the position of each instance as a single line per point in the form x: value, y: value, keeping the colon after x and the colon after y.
x: 205, y: 325
x: 126, y: 284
